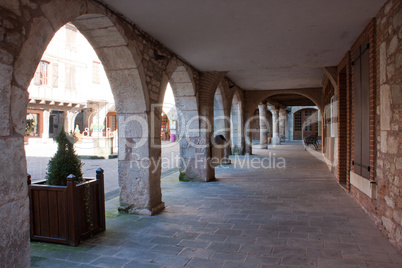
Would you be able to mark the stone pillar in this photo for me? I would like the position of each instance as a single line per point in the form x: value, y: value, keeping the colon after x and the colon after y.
x: 262, y: 108
x: 287, y: 126
x: 248, y: 135
x: 46, y: 119
x: 69, y: 121
x: 139, y: 164
x: 275, y: 127
x: 282, y: 121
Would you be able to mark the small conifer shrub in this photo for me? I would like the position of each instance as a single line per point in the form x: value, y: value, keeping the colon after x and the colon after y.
x: 64, y: 162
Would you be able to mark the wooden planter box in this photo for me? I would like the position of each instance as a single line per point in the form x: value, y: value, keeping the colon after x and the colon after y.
x: 67, y: 214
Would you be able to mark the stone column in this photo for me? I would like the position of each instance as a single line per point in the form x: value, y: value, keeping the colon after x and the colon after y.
x: 248, y: 136
x: 275, y: 127
x: 262, y: 108
x: 46, y: 119
x: 282, y: 121
x: 287, y: 126
x: 69, y: 121
x: 139, y: 164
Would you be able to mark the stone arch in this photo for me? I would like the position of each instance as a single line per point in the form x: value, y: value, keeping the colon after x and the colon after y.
x: 181, y: 80
x: 254, y: 97
x: 236, y: 124
x: 121, y: 59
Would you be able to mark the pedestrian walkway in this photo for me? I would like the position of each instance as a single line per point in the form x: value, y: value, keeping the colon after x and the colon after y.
x: 252, y: 216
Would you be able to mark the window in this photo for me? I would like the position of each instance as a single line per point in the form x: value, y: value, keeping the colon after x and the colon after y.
x: 361, y: 99
x: 334, y: 117
x: 41, y: 75
x: 55, y: 75
x: 70, y: 77
x: 32, y: 123
x: 96, y: 72
x: 298, y: 120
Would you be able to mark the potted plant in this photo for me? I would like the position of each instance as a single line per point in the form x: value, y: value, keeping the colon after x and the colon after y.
x: 66, y: 208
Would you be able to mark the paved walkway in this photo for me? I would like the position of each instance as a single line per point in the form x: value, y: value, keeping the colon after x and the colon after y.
x: 296, y: 216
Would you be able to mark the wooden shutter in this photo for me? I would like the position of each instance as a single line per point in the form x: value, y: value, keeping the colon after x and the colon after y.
x: 361, y: 98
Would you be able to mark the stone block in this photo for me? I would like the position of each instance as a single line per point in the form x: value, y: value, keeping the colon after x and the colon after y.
x: 393, y: 45
x: 384, y: 145
x: 116, y: 58
x: 71, y: 10
x: 19, y: 101
x: 183, y: 89
x: 5, y: 98
x: 133, y: 125
x: 14, y: 242
x: 13, y: 6
x: 90, y: 23
x: 383, y: 62
x: 385, y: 103
x: 186, y: 103
x: 105, y: 37
x: 39, y: 37
x: 393, y: 144
x: 127, y: 91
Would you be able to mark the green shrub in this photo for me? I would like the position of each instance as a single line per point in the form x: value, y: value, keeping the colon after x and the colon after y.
x: 64, y: 162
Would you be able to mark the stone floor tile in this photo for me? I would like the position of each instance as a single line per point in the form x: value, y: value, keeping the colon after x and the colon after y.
x: 230, y: 256
x: 196, y: 253
x: 304, y: 243
x: 253, y: 249
x: 235, y: 264
x: 129, y: 253
x: 261, y: 260
x: 285, y: 251
x: 194, y: 244
x: 325, y: 253
x: 109, y: 262
x: 104, y: 250
x: 299, y: 261
x: 171, y: 260
x: 382, y: 265
x: 83, y: 257
x: 221, y: 246
x: 139, y: 264
x: 341, y: 246
x: 338, y: 263
x: 204, y: 263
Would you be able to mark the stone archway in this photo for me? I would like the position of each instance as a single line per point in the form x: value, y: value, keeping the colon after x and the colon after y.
x: 120, y: 58
x: 181, y: 80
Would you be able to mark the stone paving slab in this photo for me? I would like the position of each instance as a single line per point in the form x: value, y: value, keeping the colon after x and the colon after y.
x: 248, y: 217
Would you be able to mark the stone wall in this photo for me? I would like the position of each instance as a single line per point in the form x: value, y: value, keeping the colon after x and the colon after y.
x: 387, y: 210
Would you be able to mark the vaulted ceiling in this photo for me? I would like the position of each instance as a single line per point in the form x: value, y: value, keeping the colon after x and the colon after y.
x: 262, y: 44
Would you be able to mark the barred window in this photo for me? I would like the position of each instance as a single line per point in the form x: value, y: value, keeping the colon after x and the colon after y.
x: 298, y: 122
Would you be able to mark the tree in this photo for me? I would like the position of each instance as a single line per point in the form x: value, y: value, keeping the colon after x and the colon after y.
x: 64, y: 162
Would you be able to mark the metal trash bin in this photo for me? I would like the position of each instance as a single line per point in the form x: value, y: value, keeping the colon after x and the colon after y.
x: 218, y: 150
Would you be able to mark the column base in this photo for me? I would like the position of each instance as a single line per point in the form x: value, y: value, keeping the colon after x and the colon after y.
x: 276, y: 141
x: 130, y: 209
x: 263, y: 146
